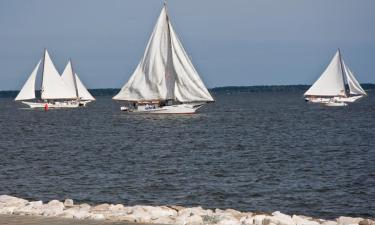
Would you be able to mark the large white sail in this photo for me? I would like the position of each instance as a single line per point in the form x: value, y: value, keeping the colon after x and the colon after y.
x: 165, y: 71
x: 53, y: 86
x: 28, y: 90
x: 74, y: 83
x: 354, y: 86
x: 331, y: 82
x: 83, y: 93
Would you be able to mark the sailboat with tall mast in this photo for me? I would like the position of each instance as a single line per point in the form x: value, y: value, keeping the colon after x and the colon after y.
x: 54, y: 92
x: 165, y: 81
x: 330, y: 89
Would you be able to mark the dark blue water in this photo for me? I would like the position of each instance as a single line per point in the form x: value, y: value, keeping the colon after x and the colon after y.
x: 249, y: 151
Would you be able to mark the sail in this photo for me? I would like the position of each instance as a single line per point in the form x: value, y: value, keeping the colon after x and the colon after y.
x: 83, y: 93
x: 28, y: 90
x: 68, y: 77
x: 165, y: 71
x: 53, y: 86
x: 354, y: 86
x: 331, y: 82
x: 75, y: 82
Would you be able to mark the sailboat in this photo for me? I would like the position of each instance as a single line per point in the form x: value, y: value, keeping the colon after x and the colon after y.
x: 330, y: 88
x: 165, y: 81
x: 76, y: 85
x: 55, y: 93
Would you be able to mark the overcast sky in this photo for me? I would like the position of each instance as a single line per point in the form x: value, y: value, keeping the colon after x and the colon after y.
x: 236, y: 42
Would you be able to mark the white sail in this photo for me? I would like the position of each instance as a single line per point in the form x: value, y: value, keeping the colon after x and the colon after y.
x: 53, y: 86
x: 165, y: 71
x: 354, y: 86
x: 83, y: 93
x: 68, y: 77
x: 28, y: 90
x: 75, y: 82
x: 331, y: 82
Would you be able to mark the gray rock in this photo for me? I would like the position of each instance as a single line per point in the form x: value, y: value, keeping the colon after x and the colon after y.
x: 68, y: 203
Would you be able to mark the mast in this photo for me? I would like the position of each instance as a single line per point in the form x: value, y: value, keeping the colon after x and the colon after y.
x: 74, y: 78
x: 44, y: 62
x: 342, y: 71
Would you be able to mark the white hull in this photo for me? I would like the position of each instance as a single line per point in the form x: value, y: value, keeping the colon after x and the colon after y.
x: 173, y: 109
x: 65, y: 104
x: 335, y: 104
x: 348, y: 99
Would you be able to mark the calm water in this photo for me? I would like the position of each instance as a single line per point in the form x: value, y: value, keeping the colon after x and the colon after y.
x: 248, y: 151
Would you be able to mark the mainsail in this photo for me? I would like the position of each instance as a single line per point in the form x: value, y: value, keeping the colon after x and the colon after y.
x: 53, y: 87
x: 165, y: 71
x: 75, y: 84
x: 331, y: 82
x: 28, y: 90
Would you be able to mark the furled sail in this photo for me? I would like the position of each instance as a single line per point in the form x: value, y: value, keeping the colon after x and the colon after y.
x: 53, y: 86
x: 28, y: 90
x: 74, y: 83
x: 165, y: 71
x: 354, y: 86
x: 331, y: 82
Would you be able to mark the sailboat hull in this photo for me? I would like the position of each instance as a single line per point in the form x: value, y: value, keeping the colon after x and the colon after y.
x: 348, y: 99
x: 172, y: 109
x: 65, y: 104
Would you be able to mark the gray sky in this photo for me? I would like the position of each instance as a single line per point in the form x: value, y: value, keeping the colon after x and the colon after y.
x: 236, y: 42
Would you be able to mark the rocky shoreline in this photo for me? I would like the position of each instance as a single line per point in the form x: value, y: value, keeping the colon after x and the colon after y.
x: 161, y: 214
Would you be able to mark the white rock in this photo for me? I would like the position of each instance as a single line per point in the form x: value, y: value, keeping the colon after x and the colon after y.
x: 329, y: 222
x: 97, y: 217
x: 300, y: 220
x: 12, y: 201
x: 102, y: 207
x: 279, y: 218
x: 34, y: 208
x: 78, y: 212
x: 53, y: 208
x: 343, y: 220
x: 117, y: 207
x: 258, y: 219
x: 232, y: 221
x: 68, y: 203
x: 159, y: 212
x: 185, y: 219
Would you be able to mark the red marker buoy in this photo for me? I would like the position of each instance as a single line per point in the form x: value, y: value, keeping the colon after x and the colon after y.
x: 46, y: 107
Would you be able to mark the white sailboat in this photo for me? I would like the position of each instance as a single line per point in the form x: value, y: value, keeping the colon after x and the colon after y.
x: 55, y: 93
x: 76, y: 85
x: 165, y: 80
x: 330, y: 88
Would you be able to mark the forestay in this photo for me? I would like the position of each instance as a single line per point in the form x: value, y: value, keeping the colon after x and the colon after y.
x: 28, y: 90
x: 165, y: 71
x: 53, y: 86
x: 331, y: 82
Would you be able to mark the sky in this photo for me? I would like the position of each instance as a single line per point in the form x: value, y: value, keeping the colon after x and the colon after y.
x: 231, y: 43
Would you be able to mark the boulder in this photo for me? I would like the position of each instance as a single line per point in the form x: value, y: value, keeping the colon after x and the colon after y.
x: 258, y: 219
x: 186, y: 219
x: 8, y: 201
x: 329, y: 222
x: 34, y: 208
x: 100, y: 208
x: 68, y: 203
x: 343, y: 220
x: 77, y: 212
x: 53, y: 208
x: 278, y: 218
x: 302, y: 220
x: 117, y: 207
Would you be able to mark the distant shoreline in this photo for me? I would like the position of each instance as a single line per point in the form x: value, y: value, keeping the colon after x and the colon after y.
x: 255, y: 88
